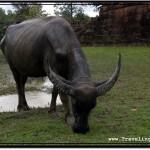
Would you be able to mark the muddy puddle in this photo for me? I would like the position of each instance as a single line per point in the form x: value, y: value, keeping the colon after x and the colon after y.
x: 35, y: 99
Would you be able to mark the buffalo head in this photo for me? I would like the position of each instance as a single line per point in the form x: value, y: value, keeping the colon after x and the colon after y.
x: 83, y: 92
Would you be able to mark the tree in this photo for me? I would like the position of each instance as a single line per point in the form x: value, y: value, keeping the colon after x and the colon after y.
x: 26, y: 10
x: 21, y: 10
x: 36, y: 11
x: 5, y: 20
x: 2, y: 22
x: 68, y: 10
x: 80, y: 16
x: 10, y: 17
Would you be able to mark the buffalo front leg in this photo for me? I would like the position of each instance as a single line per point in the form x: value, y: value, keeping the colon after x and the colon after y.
x: 52, y: 109
x: 20, y: 82
x: 65, y: 101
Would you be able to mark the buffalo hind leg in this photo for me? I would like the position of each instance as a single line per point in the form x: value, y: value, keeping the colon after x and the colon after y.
x: 52, y: 109
x: 20, y: 82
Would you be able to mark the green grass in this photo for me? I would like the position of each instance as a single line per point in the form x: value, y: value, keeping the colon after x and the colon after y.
x: 122, y: 112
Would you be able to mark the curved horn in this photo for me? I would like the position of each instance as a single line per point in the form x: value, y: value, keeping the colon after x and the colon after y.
x: 60, y: 83
x: 102, y: 89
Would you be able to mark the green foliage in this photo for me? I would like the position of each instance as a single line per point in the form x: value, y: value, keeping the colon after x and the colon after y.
x: 27, y: 10
x: 2, y: 21
x: 10, y: 17
x: 70, y: 11
x: 122, y: 112
x: 36, y: 11
x: 5, y: 19
x: 22, y: 12
x: 80, y: 16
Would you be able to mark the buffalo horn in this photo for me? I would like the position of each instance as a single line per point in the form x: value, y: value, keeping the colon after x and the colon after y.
x: 60, y: 84
x: 103, y: 88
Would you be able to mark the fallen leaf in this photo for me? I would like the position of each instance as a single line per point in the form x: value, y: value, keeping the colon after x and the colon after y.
x: 134, y: 109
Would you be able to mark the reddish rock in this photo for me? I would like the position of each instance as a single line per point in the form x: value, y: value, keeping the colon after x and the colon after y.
x: 119, y: 23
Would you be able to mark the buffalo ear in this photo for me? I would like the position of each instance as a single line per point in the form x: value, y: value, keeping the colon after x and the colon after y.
x: 108, y: 84
x: 61, y: 84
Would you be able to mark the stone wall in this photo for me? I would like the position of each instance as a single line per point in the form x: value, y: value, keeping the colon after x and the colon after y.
x: 127, y: 23
x: 121, y: 23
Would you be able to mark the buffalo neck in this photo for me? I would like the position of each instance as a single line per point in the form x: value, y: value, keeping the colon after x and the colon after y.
x: 78, y: 66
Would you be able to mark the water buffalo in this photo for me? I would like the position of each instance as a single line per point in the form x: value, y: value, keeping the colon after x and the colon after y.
x: 49, y: 47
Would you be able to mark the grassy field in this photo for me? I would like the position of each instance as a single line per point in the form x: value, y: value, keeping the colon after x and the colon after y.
x: 123, y: 113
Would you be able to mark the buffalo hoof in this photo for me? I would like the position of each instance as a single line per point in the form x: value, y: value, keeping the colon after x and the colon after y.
x: 54, y: 114
x: 69, y: 119
x: 23, y: 108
